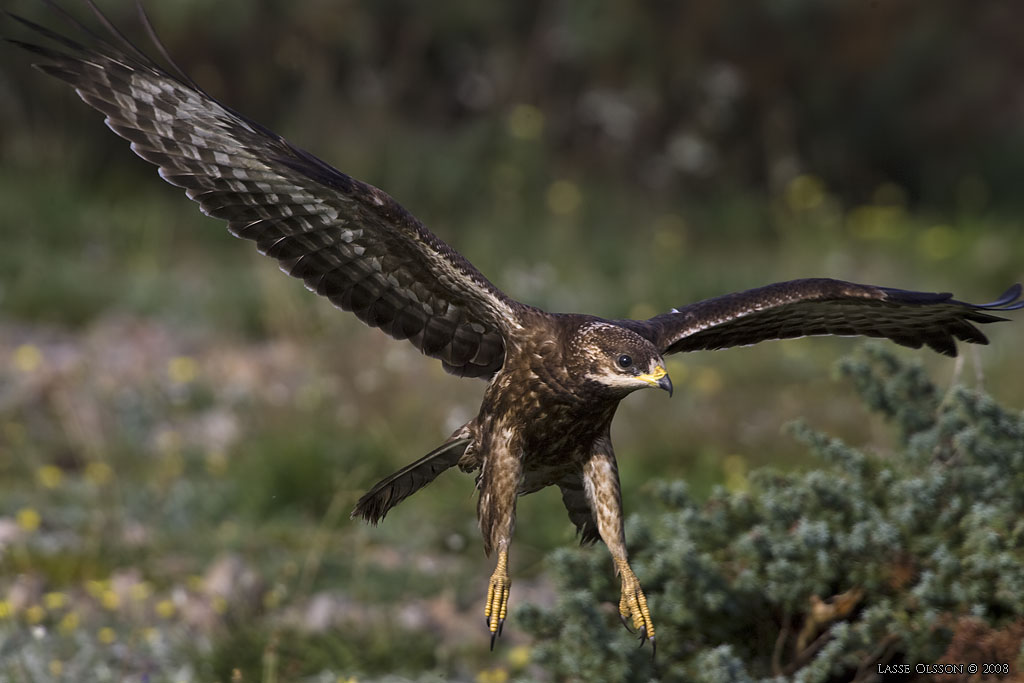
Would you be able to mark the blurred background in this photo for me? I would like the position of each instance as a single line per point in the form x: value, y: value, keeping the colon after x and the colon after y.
x: 183, y: 429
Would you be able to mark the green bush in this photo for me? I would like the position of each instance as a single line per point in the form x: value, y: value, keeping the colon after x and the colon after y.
x: 909, y: 557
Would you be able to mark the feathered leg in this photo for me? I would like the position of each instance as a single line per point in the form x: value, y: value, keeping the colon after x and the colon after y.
x: 499, y: 486
x: 601, y: 482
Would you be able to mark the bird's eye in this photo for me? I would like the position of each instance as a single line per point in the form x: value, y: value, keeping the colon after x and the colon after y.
x: 625, y: 361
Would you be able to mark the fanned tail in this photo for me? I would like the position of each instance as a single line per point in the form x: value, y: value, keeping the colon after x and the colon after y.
x: 391, y: 491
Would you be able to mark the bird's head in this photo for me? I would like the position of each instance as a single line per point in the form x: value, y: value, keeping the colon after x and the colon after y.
x: 617, y: 359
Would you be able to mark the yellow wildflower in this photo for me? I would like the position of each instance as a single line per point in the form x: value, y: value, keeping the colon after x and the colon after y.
x: 165, y: 608
x: 182, y: 369
x: 805, y: 192
x: 27, y: 358
x: 69, y: 622
x: 496, y: 675
x: 35, y: 614
x: 519, y: 656
x: 141, y: 591
x: 98, y: 473
x: 28, y: 519
x: 110, y: 600
x: 96, y: 588
x: 54, y: 600
x: 49, y: 476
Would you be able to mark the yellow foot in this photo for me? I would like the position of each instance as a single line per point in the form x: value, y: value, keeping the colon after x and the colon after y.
x: 497, y: 597
x: 633, y: 604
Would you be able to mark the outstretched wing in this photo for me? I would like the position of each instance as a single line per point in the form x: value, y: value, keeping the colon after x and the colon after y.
x: 801, y: 308
x: 347, y: 240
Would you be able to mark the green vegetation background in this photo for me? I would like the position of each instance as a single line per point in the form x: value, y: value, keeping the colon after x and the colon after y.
x: 183, y: 429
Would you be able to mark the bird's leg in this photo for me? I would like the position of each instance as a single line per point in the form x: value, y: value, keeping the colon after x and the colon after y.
x: 497, y: 597
x: 633, y: 602
x: 601, y: 482
x: 496, y: 509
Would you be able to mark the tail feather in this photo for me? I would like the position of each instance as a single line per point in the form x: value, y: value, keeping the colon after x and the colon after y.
x: 391, y: 491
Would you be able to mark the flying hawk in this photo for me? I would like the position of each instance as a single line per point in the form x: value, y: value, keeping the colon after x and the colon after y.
x: 553, y: 380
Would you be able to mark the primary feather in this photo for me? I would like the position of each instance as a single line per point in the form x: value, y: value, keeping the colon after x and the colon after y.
x: 391, y: 491
x: 347, y: 240
x: 820, y: 306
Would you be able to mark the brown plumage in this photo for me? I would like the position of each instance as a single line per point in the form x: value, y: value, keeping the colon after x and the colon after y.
x: 554, y: 380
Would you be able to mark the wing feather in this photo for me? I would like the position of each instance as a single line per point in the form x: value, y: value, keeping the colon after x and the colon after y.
x: 821, y: 306
x: 392, y: 490
x: 580, y: 513
x: 347, y: 240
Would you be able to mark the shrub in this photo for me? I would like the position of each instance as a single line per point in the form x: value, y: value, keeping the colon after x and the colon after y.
x: 909, y: 557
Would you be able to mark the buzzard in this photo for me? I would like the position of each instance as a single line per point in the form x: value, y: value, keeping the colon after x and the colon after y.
x: 553, y: 380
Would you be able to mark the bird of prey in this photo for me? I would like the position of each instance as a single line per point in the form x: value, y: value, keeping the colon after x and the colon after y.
x: 553, y: 380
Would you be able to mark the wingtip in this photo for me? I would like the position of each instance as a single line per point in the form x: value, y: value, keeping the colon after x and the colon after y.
x: 1010, y: 300
x: 367, y: 512
x: 1015, y: 297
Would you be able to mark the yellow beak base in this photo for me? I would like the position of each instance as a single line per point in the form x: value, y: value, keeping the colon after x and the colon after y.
x: 659, y: 378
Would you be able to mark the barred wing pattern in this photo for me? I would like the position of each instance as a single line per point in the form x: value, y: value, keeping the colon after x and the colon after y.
x: 821, y: 306
x: 347, y: 240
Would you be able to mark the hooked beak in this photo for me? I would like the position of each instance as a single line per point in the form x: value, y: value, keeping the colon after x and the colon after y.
x: 659, y: 378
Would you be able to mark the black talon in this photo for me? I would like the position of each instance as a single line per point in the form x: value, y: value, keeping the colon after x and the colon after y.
x: 626, y: 623
x: 501, y: 625
x: 654, y: 649
x: 493, y: 636
x: 643, y: 635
